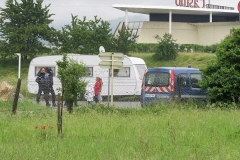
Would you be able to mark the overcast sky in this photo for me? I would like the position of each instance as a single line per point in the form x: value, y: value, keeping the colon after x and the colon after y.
x: 103, y: 8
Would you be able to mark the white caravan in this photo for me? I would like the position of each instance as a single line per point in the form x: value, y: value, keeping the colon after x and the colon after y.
x: 127, y: 81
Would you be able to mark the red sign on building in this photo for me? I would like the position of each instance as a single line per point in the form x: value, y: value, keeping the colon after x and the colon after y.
x: 190, y: 3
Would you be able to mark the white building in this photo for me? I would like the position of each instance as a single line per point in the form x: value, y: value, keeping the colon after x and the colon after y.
x: 188, y: 23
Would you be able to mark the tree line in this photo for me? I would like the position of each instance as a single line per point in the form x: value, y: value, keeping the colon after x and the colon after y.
x: 25, y: 27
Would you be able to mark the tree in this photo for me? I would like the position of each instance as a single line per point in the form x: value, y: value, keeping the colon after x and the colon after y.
x: 71, y: 74
x: 24, y: 26
x: 85, y: 37
x: 124, y: 41
x: 223, y: 77
x: 166, y: 48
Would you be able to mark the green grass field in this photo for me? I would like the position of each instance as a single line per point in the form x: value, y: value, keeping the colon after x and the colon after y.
x: 167, y: 131
x: 162, y: 132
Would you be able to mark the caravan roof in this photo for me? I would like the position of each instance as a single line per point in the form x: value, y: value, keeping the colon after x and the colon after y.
x: 136, y: 60
x: 88, y: 59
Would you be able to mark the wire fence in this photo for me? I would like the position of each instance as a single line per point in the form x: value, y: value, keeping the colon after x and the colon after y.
x: 124, y: 94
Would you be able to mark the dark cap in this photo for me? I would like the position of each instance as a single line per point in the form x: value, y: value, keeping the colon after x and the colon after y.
x: 49, y: 69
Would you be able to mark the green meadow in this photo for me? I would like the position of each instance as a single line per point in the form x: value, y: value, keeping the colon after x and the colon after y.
x: 167, y: 131
x: 172, y: 131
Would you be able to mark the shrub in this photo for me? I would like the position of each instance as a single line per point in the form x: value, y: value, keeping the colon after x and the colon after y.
x: 223, y: 76
x: 166, y: 48
x: 71, y: 74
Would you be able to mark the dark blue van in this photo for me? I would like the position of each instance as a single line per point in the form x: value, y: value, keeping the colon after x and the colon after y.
x: 165, y: 84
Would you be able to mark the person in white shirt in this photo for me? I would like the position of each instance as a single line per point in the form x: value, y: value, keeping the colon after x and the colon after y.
x: 89, y: 94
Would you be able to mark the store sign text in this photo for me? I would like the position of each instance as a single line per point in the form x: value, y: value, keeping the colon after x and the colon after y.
x: 190, y: 3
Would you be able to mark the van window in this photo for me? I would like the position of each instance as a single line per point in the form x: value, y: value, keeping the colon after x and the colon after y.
x: 124, y: 72
x: 37, y: 69
x: 141, y: 70
x: 159, y: 79
x: 196, y: 78
x: 185, y: 79
x: 89, y: 71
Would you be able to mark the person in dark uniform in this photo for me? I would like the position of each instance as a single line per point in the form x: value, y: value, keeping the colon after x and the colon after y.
x: 51, y: 90
x: 43, y: 84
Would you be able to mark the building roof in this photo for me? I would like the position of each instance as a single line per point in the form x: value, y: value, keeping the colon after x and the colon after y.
x: 150, y: 9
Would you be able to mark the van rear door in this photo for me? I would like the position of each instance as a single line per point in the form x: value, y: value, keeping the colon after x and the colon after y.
x: 157, y: 86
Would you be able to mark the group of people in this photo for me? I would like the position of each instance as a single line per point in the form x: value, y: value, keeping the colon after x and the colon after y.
x: 45, y: 84
x: 93, y: 92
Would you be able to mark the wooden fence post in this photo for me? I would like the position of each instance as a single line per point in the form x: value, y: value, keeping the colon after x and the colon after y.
x: 180, y: 80
x: 15, y: 101
x: 59, y: 116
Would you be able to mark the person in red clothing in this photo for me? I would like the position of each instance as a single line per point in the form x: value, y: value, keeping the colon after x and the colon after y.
x: 97, y: 90
x: 100, y: 94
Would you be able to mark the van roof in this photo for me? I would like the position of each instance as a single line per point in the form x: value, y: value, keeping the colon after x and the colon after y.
x: 172, y: 68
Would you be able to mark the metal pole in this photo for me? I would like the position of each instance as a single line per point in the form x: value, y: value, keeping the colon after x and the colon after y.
x: 112, y: 80
x: 210, y: 17
x: 19, y: 64
x: 108, y: 85
x: 126, y: 18
x: 170, y: 22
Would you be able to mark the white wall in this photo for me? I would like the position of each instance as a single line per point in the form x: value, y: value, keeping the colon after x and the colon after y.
x: 187, y: 33
x: 215, y: 32
x: 182, y: 32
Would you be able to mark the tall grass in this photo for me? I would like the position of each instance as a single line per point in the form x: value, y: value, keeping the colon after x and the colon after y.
x: 163, y: 132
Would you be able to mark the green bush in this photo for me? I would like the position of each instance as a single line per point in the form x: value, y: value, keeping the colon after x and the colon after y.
x: 166, y: 48
x: 223, y: 76
x: 71, y: 74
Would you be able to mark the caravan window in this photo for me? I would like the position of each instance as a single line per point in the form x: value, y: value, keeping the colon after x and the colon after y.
x: 89, y: 71
x: 159, y: 79
x: 37, y: 69
x: 141, y: 70
x: 196, y: 78
x: 124, y: 72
